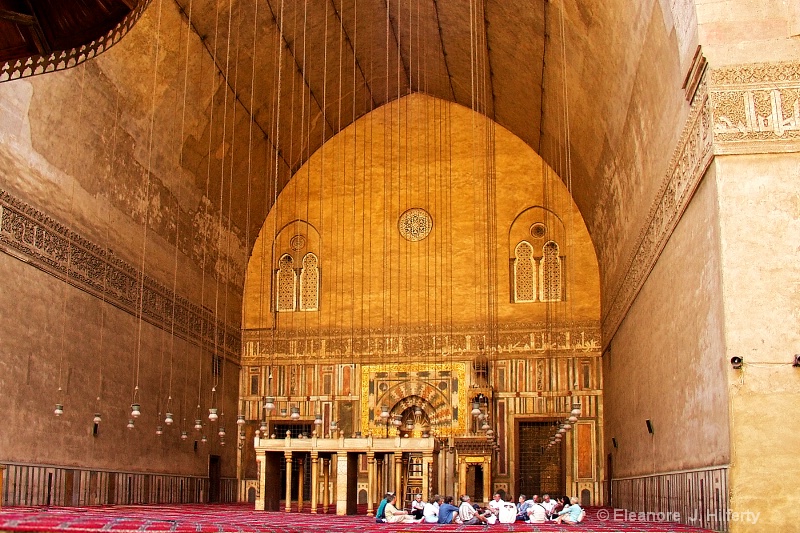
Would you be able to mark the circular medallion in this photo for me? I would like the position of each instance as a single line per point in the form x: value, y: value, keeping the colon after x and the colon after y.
x: 298, y: 242
x: 415, y: 224
x: 538, y: 230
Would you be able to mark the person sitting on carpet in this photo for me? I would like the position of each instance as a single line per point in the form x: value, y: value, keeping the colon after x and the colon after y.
x: 561, y: 503
x: 573, y: 514
x: 430, y: 512
x: 536, y: 512
x: 395, y: 515
x: 380, y: 516
x: 548, y: 505
x: 447, y: 511
x: 468, y: 515
x: 417, y: 505
x: 522, y: 508
x: 496, y: 504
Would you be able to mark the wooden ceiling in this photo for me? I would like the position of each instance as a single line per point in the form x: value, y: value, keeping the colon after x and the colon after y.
x: 39, y: 27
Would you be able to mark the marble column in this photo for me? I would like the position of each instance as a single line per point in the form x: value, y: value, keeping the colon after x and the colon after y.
x: 370, y: 481
x: 314, y: 481
x: 301, y: 476
x: 398, y: 476
x: 462, y: 476
x: 326, y: 489
x: 288, y: 456
x: 487, y: 478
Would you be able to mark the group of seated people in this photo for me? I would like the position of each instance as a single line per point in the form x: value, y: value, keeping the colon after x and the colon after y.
x: 441, y: 510
x: 536, y: 510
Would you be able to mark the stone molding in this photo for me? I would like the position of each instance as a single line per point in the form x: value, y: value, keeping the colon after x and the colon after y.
x: 741, y: 109
x: 36, y: 239
x: 64, y: 59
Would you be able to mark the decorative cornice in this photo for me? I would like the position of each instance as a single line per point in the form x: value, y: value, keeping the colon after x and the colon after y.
x: 64, y: 59
x: 33, y: 237
x: 689, y: 162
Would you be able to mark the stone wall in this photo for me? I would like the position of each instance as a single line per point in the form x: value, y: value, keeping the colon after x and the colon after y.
x: 91, y: 155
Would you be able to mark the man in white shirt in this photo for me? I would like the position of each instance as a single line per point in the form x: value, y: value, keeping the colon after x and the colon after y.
x: 395, y: 515
x: 467, y: 513
x: 496, y: 504
x: 430, y: 513
x: 417, y: 505
x: 537, y: 513
x: 548, y: 504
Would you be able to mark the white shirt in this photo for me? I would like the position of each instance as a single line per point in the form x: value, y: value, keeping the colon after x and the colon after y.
x: 431, y: 513
x: 417, y: 505
x: 549, y: 506
x: 496, y: 505
x: 537, y: 514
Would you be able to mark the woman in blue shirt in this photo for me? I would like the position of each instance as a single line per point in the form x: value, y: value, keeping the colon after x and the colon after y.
x: 572, y: 514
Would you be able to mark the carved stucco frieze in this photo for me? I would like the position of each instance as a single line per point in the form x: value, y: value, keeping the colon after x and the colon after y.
x: 689, y: 162
x: 756, y: 108
x: 510, y: 341
x: 739, y: 109
x: 33, y: 237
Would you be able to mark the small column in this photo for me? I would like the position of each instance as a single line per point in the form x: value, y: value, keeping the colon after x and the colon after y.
x: 378, y: 479
x: 398, y: 476
x: 462, y: 476
x: 427, y: 460
x: 370, y: 481
x: 261, y: 461
x: 487, y: 478
x: 314, y: 481
x: 326, y: 489
x: 335, y: 480
x: 301, y: 476
x: 288, y: 456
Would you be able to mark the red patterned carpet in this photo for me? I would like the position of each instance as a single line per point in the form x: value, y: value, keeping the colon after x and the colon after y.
x: 243, y: 519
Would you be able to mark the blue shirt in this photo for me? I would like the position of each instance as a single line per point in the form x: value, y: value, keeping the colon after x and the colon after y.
x: 446, y: 513
x: 574, y: 511
x: 381, y: 510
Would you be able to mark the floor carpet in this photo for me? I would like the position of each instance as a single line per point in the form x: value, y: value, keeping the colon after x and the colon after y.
x: 243, y: 519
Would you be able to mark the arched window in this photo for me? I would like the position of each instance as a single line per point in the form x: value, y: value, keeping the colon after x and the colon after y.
x: 550, y: 273
x: 309, y: 283
x: 524, y: 273
x: 286, y: 283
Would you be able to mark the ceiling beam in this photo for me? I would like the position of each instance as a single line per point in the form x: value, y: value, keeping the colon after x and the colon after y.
x: 43, y: 46
x: 17, y: 18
